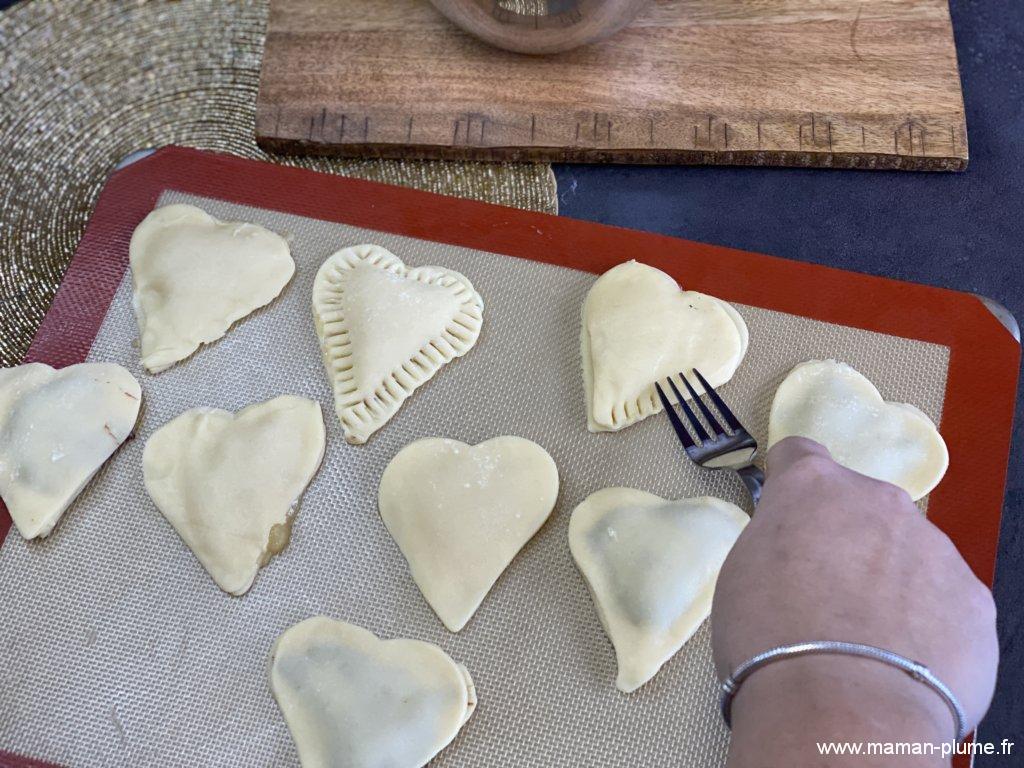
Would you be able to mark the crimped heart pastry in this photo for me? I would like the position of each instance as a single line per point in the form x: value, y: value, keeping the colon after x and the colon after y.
x: 385, y: 329
x: 352, y: 700
x: 834, y: 404
x: 651, y: 565
x: 639, y: 327
x: 193, y: 276
x: 57, y: 428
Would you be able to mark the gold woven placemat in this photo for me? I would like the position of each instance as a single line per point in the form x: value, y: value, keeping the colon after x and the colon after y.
x: 85, y: 82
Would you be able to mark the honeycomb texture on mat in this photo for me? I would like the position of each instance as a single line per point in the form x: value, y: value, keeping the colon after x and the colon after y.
x: 116, y: 648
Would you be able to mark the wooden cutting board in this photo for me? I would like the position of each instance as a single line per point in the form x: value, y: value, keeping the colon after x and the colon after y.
x: 840, y: 83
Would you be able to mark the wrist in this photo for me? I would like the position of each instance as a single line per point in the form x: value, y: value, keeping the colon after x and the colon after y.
x: 785, y: 711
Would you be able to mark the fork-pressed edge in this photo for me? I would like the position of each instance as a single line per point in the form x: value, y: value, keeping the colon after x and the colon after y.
x: 721, y: 448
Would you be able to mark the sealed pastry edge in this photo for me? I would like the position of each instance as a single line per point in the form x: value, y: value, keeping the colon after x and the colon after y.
x: 359, y: 421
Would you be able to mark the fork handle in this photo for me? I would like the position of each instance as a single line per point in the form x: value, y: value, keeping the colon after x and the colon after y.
x: 753, y: 478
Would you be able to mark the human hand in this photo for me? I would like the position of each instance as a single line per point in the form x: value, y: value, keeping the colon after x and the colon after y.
x: 834, y: 555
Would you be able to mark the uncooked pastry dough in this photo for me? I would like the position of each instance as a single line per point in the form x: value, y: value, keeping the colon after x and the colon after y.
x: 229, y: 482
x: 57, y: 428
x: 460, y: 513
x: 837, y: 406
x: 385, y: 329
x: 651, y: 566
x: 193, y: 276
x: 639, y: 327
x: 352, y: 700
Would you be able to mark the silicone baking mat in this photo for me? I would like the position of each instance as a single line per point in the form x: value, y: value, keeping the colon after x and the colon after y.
x: 117, y: 649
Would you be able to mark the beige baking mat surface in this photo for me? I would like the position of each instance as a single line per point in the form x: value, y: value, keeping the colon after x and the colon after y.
x: 117, y: 649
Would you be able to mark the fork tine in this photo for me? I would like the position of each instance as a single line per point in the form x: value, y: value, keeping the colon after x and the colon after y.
x: 712, y: 421
x: 677, y: 424
x: 694, y: 421
x: 723, y: 409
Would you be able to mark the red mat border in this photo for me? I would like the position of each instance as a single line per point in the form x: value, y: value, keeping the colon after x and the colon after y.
x: 984, y: 358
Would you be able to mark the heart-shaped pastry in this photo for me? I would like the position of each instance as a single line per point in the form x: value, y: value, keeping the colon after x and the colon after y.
x: 193, y: 276
x: 57, y: 428
x: 639, y: 328
x: 460, y: 513
x: 352, y: 700
x: 651, y: 566
x: 229, y: 483
x: 385, y: 329
x: 835, y: 405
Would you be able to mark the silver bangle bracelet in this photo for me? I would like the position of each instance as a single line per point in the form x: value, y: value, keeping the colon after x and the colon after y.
x: 914, y: 669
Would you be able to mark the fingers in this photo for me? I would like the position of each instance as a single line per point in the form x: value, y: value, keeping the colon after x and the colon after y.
x: 789, y: 450
x: 805, y: 483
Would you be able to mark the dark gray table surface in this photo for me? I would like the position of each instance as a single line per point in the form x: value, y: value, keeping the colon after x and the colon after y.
x: 962, y: 231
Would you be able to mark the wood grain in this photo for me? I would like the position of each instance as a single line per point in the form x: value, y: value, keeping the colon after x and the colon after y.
x: 835, y: 83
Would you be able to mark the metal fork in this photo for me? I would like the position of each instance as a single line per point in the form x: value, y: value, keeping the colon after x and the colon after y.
x: 731, y: 448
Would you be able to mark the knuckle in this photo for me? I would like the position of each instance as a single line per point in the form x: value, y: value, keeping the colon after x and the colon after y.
x: 983, y: 602
x: 896, y: 500
x: 887, y: 492
x: 811, y: 467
